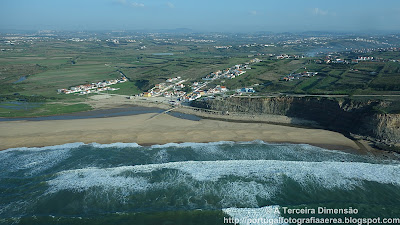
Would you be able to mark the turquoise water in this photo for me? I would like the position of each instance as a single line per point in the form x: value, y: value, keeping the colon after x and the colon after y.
x: 189, y: 183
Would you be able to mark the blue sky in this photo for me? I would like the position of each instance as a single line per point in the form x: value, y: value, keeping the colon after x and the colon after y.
x: 202, y: 15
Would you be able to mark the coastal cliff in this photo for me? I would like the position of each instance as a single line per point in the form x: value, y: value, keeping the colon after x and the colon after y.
x: 347, y: 116
x: 385, y: 129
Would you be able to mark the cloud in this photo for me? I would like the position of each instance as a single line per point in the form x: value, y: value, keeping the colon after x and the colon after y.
x: 253, y: 12
x: 129, y: 4
x: 320, y: 12
x: 121, y: 2
x: 170, y: 5
x: 135, y: 4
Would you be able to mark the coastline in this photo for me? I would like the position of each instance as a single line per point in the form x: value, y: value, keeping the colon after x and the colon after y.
x: 147, y: 129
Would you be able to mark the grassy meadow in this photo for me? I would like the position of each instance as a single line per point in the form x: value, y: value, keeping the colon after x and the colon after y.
x: 48, y: 65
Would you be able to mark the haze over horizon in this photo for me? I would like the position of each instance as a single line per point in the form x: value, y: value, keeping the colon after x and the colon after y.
x: 206, y: 15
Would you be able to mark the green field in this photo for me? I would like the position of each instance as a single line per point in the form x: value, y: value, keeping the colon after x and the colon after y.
x: 363, y: 78
x: 51, y: 64
x: 42, y: 110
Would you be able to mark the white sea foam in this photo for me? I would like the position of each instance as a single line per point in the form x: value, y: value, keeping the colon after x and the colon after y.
x: 210, y: 148
x: 73, y: 145
x: 84, y: 179
x: 254, y: 142
x: 54, y: 147
x: 303, y: 147
x: 233, y: 181
x: 192, y: 144
x: 244, y: 192
x: 249, y: 216
x: 34, y: 160
x: 115, y: 145
x: 327, y: 174
x: 161, y: 156
x: 258, y: 149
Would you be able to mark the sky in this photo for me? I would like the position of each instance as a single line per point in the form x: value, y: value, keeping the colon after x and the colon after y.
x: 202, y: 15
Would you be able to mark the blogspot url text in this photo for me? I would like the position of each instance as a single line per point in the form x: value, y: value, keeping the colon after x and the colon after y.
x: 312, y: 220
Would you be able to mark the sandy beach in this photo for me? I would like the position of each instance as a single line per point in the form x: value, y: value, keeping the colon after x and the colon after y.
x: 150, y: 128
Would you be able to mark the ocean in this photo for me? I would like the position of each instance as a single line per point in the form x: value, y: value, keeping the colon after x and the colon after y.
x: 193, y: 183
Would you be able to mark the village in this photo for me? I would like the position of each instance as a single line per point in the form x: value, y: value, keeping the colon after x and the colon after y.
x: 294, y: 76
x: 94, y: 87
x: 173, y: 89
x: 176, y: 92
x: 331, y: 59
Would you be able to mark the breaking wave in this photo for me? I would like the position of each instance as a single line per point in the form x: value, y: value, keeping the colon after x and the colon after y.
x: 238, y: 177
x: 192, y: 144
x: 54, y: 147
x: 230, y: 181
x: 115, y: 145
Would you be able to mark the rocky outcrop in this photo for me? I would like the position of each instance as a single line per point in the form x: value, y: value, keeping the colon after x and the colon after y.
x: 342, y: 115
x: 385, y: 128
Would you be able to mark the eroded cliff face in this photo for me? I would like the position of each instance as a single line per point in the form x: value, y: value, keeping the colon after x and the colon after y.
x: 344, y: 115
x: 385, y: 127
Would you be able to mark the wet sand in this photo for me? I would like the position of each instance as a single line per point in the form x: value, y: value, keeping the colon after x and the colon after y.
x: 153, y: 128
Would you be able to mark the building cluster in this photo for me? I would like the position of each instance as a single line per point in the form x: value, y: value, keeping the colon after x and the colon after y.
x: 229, y: 73
x: 175, y: 79
x: 255, y: 45
x: 339, y: 61
x: 335, y: 59
x: 332, y: 59
x: 198, y: 93
x: 198, y: 40
x: 191, y: 96
x: 245, y: 90
x: 255, y: 60
x: 363, y: 58
x: 297, y: 76
x: 285, y: 56
x: 173, y: 87
x: 93, y: 87
x: 223, y: 47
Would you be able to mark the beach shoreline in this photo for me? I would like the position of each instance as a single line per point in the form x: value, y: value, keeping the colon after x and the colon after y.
x: 214, y: 126
x: 147, y: 129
